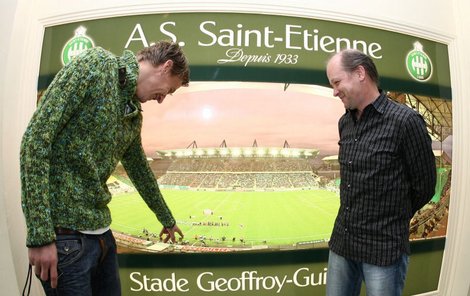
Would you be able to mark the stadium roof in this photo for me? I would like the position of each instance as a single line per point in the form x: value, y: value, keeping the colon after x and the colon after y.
x: 330, y: 158
x: 437, y: 112
x: 233, y: 152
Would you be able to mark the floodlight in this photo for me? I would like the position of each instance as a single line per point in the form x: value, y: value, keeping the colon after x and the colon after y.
x: 260, y: 152
x: 285, y: 152
x: 273, y: 152
x: 223, y: 152
x: 236, y: 152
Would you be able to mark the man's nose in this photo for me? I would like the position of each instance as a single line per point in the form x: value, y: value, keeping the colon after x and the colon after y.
x: 335, y: 92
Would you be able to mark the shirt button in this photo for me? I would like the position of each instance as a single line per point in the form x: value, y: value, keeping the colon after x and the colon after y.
x: 345, y: 230
x: 355, y: 140
x: 350, y: 162
x: 347, y: 208
x: 349, y: 185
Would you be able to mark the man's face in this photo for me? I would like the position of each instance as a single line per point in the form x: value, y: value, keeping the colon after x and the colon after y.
x: 155, y: 83
x: 345, y: 85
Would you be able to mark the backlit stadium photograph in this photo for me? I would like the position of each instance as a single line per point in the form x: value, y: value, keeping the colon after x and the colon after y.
x: 253, y: 166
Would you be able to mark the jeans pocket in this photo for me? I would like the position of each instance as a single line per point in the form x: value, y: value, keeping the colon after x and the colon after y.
x: 69, y: 251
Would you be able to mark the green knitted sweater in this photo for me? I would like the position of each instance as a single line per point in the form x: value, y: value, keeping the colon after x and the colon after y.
x: 73, y: 143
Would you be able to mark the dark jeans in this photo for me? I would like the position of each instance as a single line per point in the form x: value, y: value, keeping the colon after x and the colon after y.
x: 87, y: 266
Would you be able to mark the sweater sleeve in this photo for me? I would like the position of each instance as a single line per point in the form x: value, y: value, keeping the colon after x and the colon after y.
x: 59, y: 103
x: 137, y: 167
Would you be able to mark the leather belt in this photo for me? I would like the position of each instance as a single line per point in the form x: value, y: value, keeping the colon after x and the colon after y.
x: 65, y: 231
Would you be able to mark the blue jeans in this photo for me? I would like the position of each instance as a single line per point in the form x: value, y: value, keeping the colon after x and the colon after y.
x: 344, y: 277
x: 87, y: 266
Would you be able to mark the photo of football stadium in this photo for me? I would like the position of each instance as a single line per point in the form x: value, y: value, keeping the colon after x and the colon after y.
x: 260, y: 178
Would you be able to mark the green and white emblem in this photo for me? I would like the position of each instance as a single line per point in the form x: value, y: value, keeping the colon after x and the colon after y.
x: 77, y: 44
x: 418, y: 63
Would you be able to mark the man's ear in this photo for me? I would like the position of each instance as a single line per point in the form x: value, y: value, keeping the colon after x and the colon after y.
x: 361, y: 72
x: 168, y: 65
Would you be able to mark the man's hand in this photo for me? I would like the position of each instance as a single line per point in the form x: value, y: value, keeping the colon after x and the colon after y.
x: 170, y: 233
x: 44, y: 259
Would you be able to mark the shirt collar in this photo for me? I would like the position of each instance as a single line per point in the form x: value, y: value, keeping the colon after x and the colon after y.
x: 129, y: 61
x: 380, y: 103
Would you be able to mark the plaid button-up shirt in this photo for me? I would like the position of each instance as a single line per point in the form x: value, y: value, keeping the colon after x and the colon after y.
x: 388, y: 172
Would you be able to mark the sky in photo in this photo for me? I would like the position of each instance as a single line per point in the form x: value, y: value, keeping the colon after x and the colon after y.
x: 241, y: 114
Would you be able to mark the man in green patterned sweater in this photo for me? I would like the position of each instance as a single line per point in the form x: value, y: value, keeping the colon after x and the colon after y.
x: 87, y: 121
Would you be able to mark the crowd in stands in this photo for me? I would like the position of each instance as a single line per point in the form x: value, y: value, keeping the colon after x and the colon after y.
x: 248, y: 181
x: 241, y: 173
x: 255, y: 164
x: 427, y: 220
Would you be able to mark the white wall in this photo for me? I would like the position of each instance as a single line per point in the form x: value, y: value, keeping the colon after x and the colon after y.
x: 7, y: 269
x: 455, y: 279
x: 441, y: 21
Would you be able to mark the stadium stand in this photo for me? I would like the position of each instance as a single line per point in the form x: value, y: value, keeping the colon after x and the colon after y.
x: 427, y: 221
x: 225, y: 169
x: 243, y: 169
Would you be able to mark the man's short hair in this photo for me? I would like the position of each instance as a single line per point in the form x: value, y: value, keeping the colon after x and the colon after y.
x: 352, y: 58
x: 163, y: 51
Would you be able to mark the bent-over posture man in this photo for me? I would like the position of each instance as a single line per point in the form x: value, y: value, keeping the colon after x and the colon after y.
x: 87, y: 121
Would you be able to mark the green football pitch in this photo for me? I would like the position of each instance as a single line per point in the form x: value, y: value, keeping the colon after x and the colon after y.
x: 234, y: 218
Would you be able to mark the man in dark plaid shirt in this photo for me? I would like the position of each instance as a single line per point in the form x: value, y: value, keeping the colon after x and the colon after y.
x: 388, y: 172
